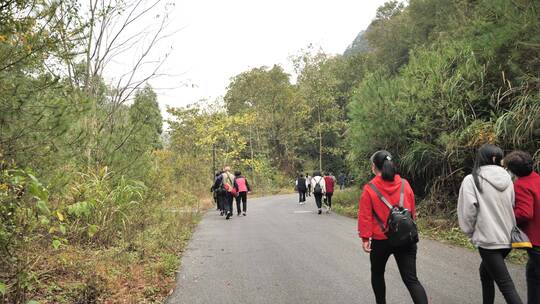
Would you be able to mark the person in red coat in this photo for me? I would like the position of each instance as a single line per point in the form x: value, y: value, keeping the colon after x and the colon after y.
x: 527, y: 211
x: 374, y: 241
x: 329, y: 181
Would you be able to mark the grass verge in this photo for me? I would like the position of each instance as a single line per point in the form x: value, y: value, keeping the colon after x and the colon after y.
x: 439, y: 228
x: 142, y: 271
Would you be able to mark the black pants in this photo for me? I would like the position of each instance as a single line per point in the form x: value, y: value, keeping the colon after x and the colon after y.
x: 341, y: 186
x: 228, y: 202
x: 221, y: 201
x: 493, y: 269
x: 533, y: 276
x: 302, y: 195
x: 241, y: 198
x: 329, y: 199
x: 318, y: 199
x: 216, y: 200
x: 406, y: 262
x: 309, y: 189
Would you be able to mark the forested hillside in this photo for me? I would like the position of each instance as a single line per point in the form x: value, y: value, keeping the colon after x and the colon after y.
x: 97, y: 200
x: 439, y: 79
x: 443, y: 78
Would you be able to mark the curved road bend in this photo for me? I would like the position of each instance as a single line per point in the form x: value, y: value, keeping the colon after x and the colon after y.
x: 286, y: 253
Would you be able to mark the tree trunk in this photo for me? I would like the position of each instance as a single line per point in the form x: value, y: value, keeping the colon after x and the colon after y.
x: 320, y: 138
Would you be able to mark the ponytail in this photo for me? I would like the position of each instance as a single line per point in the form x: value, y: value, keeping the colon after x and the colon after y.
x: 383, y: 162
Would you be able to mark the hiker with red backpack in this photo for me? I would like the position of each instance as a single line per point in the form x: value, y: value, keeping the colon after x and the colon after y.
x: 386, y: 214
x: 226, y: 186
x: 243, y: 188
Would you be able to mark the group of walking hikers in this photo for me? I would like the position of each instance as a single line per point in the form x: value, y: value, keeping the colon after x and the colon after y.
x: 498, y: 209
x: 322, y: 188
x: 490, y: 209
x: 227, y: 188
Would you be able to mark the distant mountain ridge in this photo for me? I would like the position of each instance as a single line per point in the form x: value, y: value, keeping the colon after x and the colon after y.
x: 359, y: 45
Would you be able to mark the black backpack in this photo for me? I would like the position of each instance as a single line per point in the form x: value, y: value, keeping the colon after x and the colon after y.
x: 317, y: 189
x: 400, y: 228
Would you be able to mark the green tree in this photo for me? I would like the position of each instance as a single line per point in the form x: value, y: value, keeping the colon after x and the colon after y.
x: 279, y: 115
x: 318, y: 85
x: 145, y: 116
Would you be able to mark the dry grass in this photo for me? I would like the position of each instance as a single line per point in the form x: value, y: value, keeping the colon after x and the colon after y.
x: 139, y: 272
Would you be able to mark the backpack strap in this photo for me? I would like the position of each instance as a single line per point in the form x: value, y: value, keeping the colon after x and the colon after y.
x: 378, y: 219
x: 385, y: 201
x: 223, y: 182
x: 381, y: 197
x: 402, y: 193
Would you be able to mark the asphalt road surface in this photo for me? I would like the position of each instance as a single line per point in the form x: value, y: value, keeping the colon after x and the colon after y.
x: 285, y: 253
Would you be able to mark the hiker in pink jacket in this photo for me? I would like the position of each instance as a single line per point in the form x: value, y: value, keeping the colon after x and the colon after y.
x: 243, y: 190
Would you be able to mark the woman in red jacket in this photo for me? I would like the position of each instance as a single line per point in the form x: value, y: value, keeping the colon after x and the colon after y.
x: 527, y: 211
x: 374, y: 241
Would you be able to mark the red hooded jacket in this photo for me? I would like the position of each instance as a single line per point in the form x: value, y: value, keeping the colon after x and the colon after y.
x: 329, y: 183
x: 527, y: 207
x: 368, y: 227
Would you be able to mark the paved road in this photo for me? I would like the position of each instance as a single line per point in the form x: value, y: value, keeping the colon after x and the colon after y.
x: 286, y: 253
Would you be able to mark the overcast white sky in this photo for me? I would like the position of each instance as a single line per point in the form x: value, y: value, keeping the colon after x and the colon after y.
x: 219, y: 39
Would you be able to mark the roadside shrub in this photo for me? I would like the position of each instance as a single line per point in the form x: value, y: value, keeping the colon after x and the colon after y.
x: 102, y: 209
x: 346, y: 201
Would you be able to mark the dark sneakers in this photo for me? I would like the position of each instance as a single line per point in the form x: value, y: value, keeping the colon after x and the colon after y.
x: 320, y: 211
x: 244, y: 214
x: 229, y: 214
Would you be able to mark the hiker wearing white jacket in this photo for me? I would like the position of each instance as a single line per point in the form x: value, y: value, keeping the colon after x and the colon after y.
x: 486, y: 216
x: 318, y: 187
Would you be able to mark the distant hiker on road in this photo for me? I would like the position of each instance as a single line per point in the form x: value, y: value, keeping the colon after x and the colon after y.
x: 319, y: 189
x: 341, y: 181
x: 388, y: 188
x: 527, y: 212
x: 243, y: 188
x: 215, y: 194
x: 308, y: 179
x: 225, y: 182
x: 486, y: 216
x: 301, y: 187
x: 329, y: 181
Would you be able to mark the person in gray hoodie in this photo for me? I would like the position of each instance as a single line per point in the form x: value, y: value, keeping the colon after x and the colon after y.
x: 486, y: 216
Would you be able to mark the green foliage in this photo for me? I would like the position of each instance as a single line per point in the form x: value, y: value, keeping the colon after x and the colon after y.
x: 277, y: 115
x: 83, y: 166
x: 449, y: 77
x: 76, y: 154
x: 204, y: 141
x: 27, y: 217
x: 145, y: 116
x: 324, y: 84
x: 104, y: 210
x: 346, y: 202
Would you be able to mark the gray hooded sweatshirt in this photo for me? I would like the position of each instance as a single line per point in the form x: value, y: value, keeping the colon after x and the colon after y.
x: 487, y: 218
